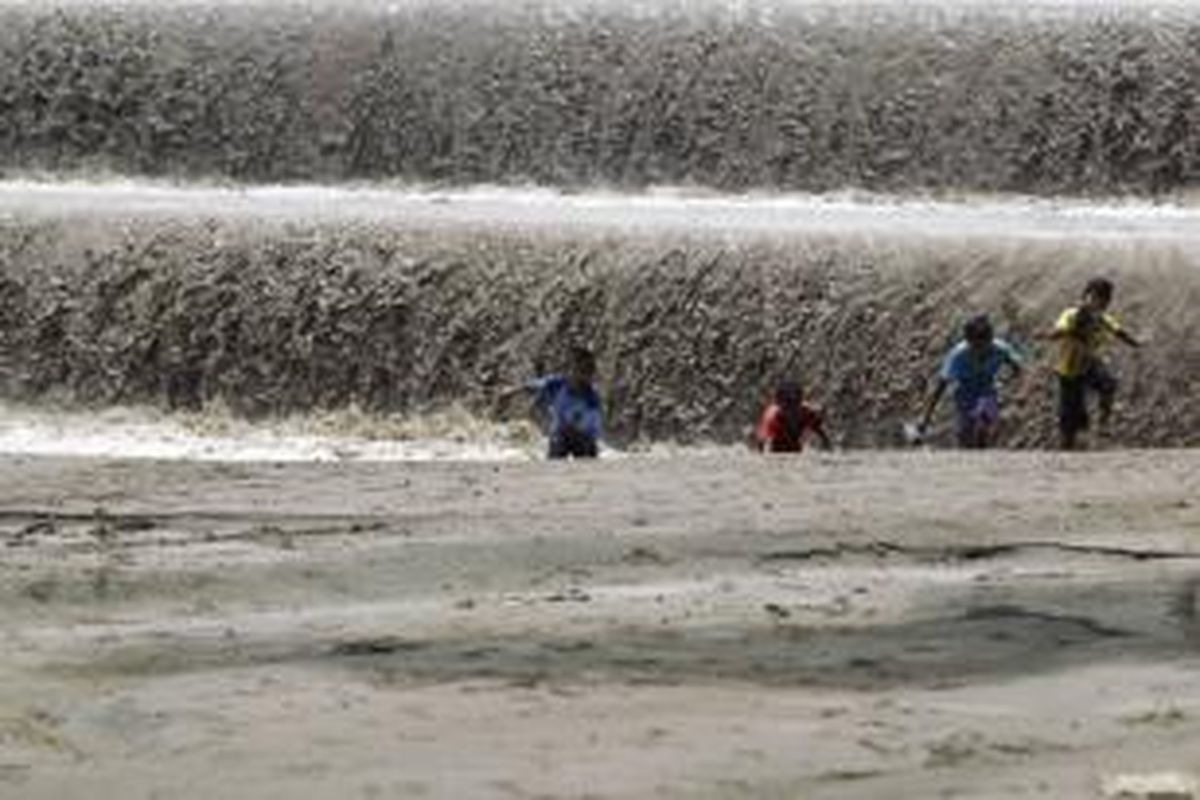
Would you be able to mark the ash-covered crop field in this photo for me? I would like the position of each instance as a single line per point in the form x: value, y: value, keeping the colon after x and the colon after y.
x: 1031, y: 98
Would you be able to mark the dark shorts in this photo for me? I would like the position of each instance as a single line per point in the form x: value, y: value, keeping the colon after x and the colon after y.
x: 572, y: 445
x: 1072, y: 396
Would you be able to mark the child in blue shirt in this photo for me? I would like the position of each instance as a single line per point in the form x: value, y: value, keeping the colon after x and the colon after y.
x: 972, y: 366
x: 571, y: 406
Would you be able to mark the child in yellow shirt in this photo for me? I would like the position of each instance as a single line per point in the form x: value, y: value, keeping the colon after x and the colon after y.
x: 1082, y: 333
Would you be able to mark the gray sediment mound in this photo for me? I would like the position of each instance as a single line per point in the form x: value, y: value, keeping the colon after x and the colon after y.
x: 690, y: 331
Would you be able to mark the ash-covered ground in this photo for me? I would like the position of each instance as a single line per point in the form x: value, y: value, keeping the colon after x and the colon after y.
x: 856, y: 625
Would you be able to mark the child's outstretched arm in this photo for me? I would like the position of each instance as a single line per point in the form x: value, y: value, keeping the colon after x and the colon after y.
x: 533, y: 386
x: 1118, y: 330
x: 1128, y: 338
x: 931, y: 404
x: 510, y: 392
x: 1013, y: 358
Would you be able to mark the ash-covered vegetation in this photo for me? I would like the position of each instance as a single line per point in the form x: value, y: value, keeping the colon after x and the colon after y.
x: 793, y: 97
x: 689, y: 331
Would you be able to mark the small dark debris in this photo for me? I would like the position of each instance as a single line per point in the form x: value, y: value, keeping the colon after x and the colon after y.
x: 572, y: 595
x: 133, y: 524
x: 776, y: 610
x: 477, y: 653
x: 643, y: 555
x: 383, y: 645
x: 38, y: 528
x: 577, y: 646
x: 843, y: 775
x: 863, y: 663
x: 103, y: 531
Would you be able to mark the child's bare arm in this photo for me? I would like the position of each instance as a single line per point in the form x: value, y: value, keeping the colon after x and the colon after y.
x: 1128, y: 338
x: 934, y: 398
x: 529, y: 389
x: 511, y: 392
x: 1016, y: 364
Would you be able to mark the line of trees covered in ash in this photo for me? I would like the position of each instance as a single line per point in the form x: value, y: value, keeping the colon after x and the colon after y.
x: 272, y: 318
x: 1091, y: 103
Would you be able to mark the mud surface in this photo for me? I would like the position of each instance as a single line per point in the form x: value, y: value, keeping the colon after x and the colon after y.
x: 850, y: 626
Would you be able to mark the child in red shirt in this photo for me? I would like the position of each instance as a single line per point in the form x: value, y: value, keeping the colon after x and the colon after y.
x: 787, y: 420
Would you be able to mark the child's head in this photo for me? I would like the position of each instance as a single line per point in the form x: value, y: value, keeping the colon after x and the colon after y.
x: 788, y: 392
x: 1098, y: 294
x: 978, y: 332
x: 581, y: 367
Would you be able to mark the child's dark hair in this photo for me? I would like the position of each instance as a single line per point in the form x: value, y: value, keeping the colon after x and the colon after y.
x: 978, y: 328
x: 582, y: 358
x: 788, y: 390
x: 1100, y: 288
